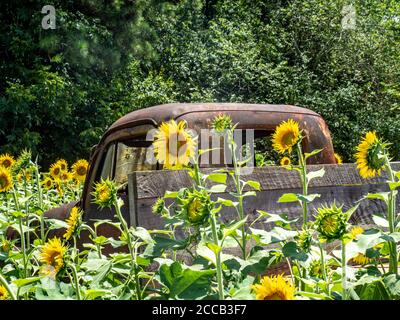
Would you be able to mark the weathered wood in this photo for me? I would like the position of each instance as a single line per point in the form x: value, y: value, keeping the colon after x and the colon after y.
x: 341, y: 183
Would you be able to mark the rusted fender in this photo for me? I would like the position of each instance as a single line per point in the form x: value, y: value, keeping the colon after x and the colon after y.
x: 60, y: 213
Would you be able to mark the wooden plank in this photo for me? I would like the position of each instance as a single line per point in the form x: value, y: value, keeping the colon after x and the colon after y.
x: 153, y: 184
x: 340, y: 183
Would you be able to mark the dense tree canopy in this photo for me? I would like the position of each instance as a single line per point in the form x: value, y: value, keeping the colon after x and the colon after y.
x: 61, y: 88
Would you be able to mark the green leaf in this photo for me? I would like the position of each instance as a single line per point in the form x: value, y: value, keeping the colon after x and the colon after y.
x: 384, y: 196
x: 392, y: 283
x: 288, y: 197
x: 308, y: 198
x: 161, y: 244
x: 315, y: 174
x: 231, y: 229
x: 188, y: 283
x: 291, y: 250
x: 394, y: 185
x: 380, y: 221
x: 280, y: 219
x: 350, y: 212
x: 92, y: 294
x: 249, y: 194
x: 142, y: 234
x: 171, y: 194
x: 254, y: 184
x: 227, y: 202
x: 217, y: 177
x: 312, y: 153
x: 23, y: 282
x: 217, y: 188
x: 373, y: 291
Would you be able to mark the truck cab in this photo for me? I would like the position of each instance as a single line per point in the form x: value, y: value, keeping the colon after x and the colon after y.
x: 123, y: 147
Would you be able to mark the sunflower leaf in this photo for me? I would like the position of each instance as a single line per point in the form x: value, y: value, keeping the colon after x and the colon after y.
x: 312, y: 153
x: 315, y: 174
x: 288, y: 197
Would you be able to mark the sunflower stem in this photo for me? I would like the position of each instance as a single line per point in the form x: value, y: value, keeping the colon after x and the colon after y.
x: 239, y: 191
x: 129, y: 241
x: 344, y: 276
x: 40, y: 201
x: 5, y: 284
x: 303, y: 176
x: 393, y: 262
x: 76, y: 280
x: 217, y: 258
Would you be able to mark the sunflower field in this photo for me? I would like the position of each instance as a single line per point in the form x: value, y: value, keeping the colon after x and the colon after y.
x: 324, y: 257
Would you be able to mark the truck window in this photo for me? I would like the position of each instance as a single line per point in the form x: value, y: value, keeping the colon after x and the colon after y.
x: 131, y: 156
x: 108, y: 165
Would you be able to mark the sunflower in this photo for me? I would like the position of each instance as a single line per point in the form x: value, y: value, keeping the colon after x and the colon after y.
x: 105, y: 193
x: 331, y: 222
x: 66, y: 176
x: 73, y: 222
x: 221, y: 123
x: 47, y: 183
x: 6, y: 182
x: 173, y: 145
x: 3, y: 293
x: 274, y: 288
x: 6, y: 161
x: 52, y: 255
x: 368, y: 156
x: 338, y: 158
x: 5, y: 246
x: 361, y: 259
x: 79, y: 170
x: 285, y: 161
x: 63, y: 164
x: 355, y: 231
x: 286, y: 135
x: 55, y: 171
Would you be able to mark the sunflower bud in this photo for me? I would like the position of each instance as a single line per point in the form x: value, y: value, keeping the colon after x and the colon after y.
x: 316, y: 269
x: 158, y: 206
x: 196, y: 206
x: 331, y: 222
x: 221, y: 123
x: 23, y: 161
x: 304, y: 240
x: 105, y: 193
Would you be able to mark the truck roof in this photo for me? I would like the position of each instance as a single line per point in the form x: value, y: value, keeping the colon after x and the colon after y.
x: 170, y: 111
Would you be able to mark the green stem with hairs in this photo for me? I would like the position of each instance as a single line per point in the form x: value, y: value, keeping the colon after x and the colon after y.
x: 344, y: 276
x: 40, y: 202
x: 393, y: 262
x: 239, y: 191
x: 303, y: 176
x: 129, y: 241
x: 217, y: 258
x: 5, y: 284
x: 76, y: 280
